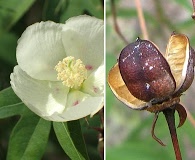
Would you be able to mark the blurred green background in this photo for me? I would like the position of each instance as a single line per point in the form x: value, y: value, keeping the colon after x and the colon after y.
x: 15, y: 17
x: 128, y: 133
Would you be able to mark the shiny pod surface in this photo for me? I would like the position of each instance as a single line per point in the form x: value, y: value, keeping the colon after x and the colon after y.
x: 145, y: 71
x: 121, y: 91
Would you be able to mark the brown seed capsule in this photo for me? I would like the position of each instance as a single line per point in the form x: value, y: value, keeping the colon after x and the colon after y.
x: 146, y: 72
x: 146, y: 79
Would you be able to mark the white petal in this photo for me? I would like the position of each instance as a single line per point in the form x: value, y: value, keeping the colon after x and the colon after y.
x: 94, y: 84
x: 85, y: 105
x: 39, y: 49
x: 42, y: 97
x: 83, y: 38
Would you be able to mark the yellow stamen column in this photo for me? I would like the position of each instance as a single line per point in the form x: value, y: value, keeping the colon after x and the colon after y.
x: 71, y: 72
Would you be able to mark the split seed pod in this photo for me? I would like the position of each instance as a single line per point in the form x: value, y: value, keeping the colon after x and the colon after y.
x: 144, y: 78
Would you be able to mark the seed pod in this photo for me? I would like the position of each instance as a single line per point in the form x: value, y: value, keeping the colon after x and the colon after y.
x: 145, y: 79
x: 145, y: 71
x: 180, y: 57
x: 121, y: 91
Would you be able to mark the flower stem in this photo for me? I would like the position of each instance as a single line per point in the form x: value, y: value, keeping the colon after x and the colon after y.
x: 170, y: 118
x: 116, y: 27
x: 141, y: 19
x: 193, y: 3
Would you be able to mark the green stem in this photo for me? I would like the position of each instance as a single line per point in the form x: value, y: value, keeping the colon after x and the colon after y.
x: 170, y: 118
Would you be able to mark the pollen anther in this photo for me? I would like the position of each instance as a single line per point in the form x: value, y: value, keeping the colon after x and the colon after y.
x: 71, y: 72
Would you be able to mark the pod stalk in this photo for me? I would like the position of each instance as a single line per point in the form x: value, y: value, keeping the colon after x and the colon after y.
x: 170, y: 118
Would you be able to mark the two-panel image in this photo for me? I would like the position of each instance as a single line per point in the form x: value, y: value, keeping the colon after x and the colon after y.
x: 97, y: 80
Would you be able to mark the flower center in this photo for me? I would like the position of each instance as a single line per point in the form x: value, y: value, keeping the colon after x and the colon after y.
x: 71, y: 72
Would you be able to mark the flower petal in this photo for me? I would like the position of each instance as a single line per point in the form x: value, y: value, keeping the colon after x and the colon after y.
x: 79, y: 105
x: 39, y: 49
x: 42, y: 97
x: 83, y: 38
x: 94, y: 84
x: 120, y: 90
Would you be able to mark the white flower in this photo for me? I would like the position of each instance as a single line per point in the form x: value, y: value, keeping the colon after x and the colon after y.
x: 60, y: 71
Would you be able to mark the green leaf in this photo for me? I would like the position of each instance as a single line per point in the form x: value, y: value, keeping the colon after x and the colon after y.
x: 74, y: 8
x: 70, y: 137
x: 8, y: 97
x: 10, y: 104
x: 29, y: 138
x: 91, y: 136
x: 94, y: 7
x: 53, y: 9
x: 8, y: 43
x: 11, y: 110
x: 11, y: 11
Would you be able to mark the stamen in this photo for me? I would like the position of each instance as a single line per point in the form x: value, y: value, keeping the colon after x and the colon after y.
x: 71, y: 72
